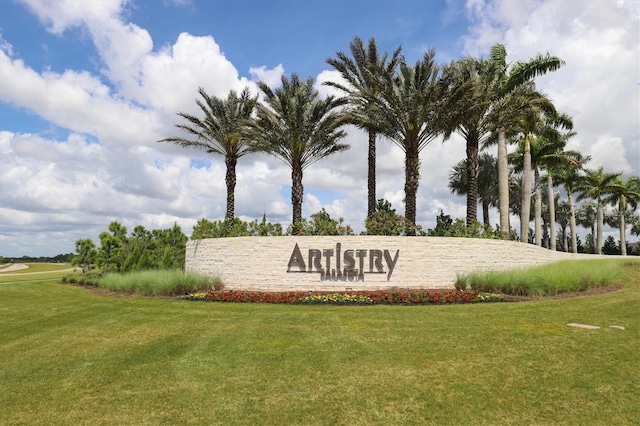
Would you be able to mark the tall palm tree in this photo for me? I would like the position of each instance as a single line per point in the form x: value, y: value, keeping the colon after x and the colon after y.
x: 596, y: 184
x: 587, y: 216
x: 568, y: 175
x: 469, y: 102
x: 540, y: 138
x: 220, y: 132
x: 635, y: 225
x: 625, y: 194
x: 299, y: 128
x: 563, y: 218
x: 364, y: 72
x: 508, y: 78
x: 552, y: 160
x: 411, y: 108
x: 547, y: 150
x: 487, y: 182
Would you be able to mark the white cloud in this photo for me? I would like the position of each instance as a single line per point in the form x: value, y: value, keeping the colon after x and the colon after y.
x: 271, y: 77
x: 58, y: 16
x: 609, y: 152
x: 326, y: 76
x: 599, y: 42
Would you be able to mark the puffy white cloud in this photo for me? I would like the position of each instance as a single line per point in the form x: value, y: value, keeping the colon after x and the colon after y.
x: 609, y: 152
x: 598, y: 87
x: 271, y: 77
x: 58, y: 16
x: 329, y: 76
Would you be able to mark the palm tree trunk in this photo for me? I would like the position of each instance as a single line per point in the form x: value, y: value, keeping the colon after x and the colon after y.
x: 600, y: 225
x: 545, y: 234
x: 412, y: 175
x: 297, y: 194
x: 623, y: 226
x: 538, y: 209
x: 503, y: 183
x: 525, y: 211
x: 371, y: 181
x: 230, y: 180
x: 485, y: 213
x: 472, y: 180
x: 552, y: 214
x: 572, y: 223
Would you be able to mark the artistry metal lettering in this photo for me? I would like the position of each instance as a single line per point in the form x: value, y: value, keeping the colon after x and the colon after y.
x: 338, y: 265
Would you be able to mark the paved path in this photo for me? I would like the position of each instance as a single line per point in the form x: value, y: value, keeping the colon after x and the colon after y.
x: 21, y: 266
x: 14, y: 267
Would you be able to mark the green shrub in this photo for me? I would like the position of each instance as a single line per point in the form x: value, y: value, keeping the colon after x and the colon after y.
x: 321, y: 223
x: 385, y: 221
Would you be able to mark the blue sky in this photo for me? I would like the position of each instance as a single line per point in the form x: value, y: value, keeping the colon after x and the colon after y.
x: 88, y: 87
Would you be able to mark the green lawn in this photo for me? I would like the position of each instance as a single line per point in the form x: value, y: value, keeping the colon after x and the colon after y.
x: 71, y: 356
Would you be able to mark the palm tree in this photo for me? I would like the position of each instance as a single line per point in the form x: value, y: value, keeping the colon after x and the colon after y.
x: 597, y: 184
x: 635, y: 225
x: 508, y: 78
x: 299, y: 128
x: 487, y: 182
x: 540, y: 138
x: 469, y: 102
x: 587, y: 216
x: 220, y: 132
x: 563, y: 218
x: 364, y: 72
x: 411, y: 108
x: 552, y: 160
x: 548, y: 151
x: 568, y: 175
x: 625, y: 194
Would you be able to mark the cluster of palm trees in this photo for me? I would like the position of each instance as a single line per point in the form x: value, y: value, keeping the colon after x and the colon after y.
x: 486, y: 101
x: 561, y: 169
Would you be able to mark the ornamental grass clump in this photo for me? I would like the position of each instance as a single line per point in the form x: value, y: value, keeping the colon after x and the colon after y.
x: 548, y: 280
x: 156, y: 283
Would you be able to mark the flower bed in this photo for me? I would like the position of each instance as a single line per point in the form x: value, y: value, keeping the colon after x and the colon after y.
x: 348, y: 298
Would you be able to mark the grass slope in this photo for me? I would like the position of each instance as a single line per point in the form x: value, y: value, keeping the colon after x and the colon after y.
x: 70, y: 356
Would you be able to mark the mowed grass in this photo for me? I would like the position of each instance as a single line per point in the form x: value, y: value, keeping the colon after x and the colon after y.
x: 71, y: 356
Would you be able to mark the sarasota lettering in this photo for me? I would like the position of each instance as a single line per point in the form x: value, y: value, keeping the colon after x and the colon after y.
x: 343, y: 265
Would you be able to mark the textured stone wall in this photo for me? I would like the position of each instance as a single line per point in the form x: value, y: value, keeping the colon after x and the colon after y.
x: 274, y: 264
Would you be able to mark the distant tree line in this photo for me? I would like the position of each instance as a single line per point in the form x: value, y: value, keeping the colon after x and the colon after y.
x: 60, y: 258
